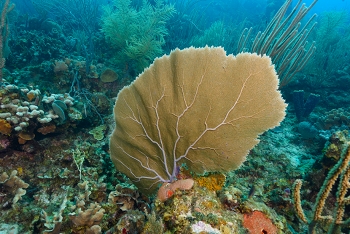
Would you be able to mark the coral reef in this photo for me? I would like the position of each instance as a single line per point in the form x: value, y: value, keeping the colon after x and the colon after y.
x: 202, y: 209
x: 12, y: 185
x: 98, y: 132
x: 89, y: 217
x: 27, y: 109
x: 336, y: 117
x: 140, y: 40
x: 318, y: 221
x: 213, y: 182
x: 63, y: 64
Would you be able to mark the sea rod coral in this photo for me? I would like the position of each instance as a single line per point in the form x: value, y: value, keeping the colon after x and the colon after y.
x: 198, y: 107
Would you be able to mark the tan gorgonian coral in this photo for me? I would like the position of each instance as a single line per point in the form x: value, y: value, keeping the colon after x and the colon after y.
x: 197, y: 107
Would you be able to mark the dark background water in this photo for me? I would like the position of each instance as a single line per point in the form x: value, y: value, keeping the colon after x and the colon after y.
x: 228, y: 8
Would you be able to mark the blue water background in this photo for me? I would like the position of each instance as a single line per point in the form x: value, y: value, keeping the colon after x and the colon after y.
x: 328, y: 5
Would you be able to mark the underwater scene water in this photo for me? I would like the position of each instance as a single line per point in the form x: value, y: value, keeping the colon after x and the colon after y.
x: 174, y: 116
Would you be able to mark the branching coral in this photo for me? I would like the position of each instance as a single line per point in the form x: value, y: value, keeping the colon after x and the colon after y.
x: 136, y: 34
x: 336, y: 223
x: 89, y: 217
x: 14, y: 185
